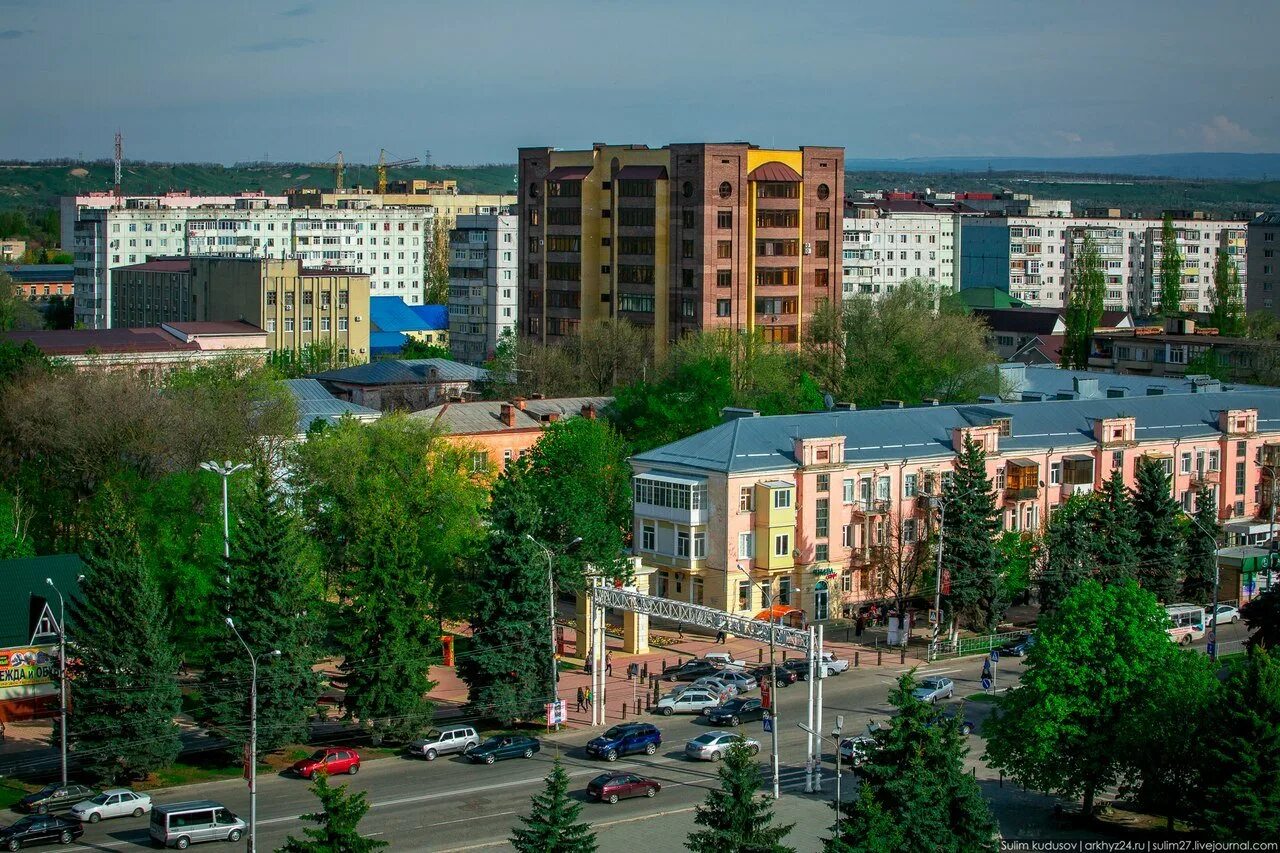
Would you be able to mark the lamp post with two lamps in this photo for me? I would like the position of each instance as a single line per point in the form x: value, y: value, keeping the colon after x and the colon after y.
x: 225, y: 470
x: 834, y: 737
x: 551, y: 611
x: 253, y: 732
x: 62, y: 673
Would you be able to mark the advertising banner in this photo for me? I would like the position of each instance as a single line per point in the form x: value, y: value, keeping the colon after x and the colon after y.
x: 28, y: 672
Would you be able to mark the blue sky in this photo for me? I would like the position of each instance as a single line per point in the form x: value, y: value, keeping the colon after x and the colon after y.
x: 232, y: 80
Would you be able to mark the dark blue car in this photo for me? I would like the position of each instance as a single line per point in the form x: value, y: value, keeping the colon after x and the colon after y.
x: 625, y: 739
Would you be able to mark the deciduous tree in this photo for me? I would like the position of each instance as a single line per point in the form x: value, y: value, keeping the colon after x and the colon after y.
x: 1226, y: 301
x: 736, y: 819
x: 552, y: 824
x: 437, y: 271
x: 898, y: 564
x: 1170, y: 271
x: 1085, y: 303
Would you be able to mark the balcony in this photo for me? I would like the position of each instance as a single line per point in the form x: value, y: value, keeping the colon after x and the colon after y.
x: 1070, y: 490
x: 867, y: 507
x: 1022, y: 480
x: 1206, y: 478
x: 1026, y: 493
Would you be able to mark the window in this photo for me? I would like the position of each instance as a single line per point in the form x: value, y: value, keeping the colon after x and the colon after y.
x: 746, y: 499
x: 846, y: 535
x: 1184, y: 464
x: 781, y: 498
x: 746, y: 545
x: 822, y: 518
x: 647, y: 537
x: 1213, y: 460
x: 882, y: 489
x: 288, y: 324
x: 1055, y: 473
x: 724, y: 278
x: 682, y: 543
x: 724, y: 307
x: 824, y: 483
x: 848, y: 491
x: 479, y: 460
x: 910, y: 530
x: 1240, y: 477
x: 822, y: 222
x: 822, y: 552
x: 726, y: 189
x: 724, y: 249
x: 910, y: 485
x: 784, y: 590
x: 342, y: 324
x: 700, y: 545
x: 822, y: 249
x: 686, y: 218
x: 782, y: 545
x: 306, y: 324
x: 686, y: 249
x: 724, y: 218
x: 744, y: 595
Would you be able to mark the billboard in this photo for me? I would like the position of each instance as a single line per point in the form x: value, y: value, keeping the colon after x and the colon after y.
x: 28, y: 672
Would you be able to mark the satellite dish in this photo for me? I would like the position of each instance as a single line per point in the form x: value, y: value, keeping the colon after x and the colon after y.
x: 828, y: 401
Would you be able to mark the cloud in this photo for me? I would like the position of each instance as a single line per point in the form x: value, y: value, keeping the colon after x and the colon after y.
x: 274, y: 45
x: 1222, y: 132
x: 1067, y: 136
x: 14, y: 34
x: 298, y: 11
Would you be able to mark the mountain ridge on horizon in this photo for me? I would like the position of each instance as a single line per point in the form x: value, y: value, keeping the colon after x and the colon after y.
x: 1204, y: 165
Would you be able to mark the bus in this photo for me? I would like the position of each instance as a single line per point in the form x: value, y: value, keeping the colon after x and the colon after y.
x: 1187, y: 623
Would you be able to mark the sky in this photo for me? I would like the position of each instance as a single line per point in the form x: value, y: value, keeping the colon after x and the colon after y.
x: 470, y: 82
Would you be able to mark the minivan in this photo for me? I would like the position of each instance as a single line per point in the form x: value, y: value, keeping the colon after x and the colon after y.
x: 182, y: 824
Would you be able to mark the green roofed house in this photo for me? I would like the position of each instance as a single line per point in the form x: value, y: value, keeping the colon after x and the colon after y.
x: 29, y: 626
x: 988, y: 297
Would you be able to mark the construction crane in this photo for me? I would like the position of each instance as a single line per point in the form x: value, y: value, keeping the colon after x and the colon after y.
x: 338, y: 168
x: 383, y: 165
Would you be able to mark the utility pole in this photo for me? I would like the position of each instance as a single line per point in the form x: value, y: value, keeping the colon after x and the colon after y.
x: 554, y: 693
x: 253, y: 734
x: 821, y: 676
x: 62, y: 674
x: 773, y: 693
x: 808, y: 764
x: 225, y: 470
x: 937, y: 580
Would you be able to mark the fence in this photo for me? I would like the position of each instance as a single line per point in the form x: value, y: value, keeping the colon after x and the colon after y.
x: 977, y: 645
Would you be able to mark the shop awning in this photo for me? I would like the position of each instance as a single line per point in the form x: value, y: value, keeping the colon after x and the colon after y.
x: 779, y: 613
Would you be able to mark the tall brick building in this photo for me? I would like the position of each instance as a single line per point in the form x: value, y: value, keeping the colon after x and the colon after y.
x: 680, y: 239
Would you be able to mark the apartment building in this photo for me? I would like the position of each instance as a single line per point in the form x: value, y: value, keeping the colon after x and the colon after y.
x: 1263, y: 263
x: 483, y: 284
x: 679, y: 239
x: 894, y: 237
x: 294, y: 304
x: 1030, y: 257
x: 806, y: 508
x: 1179, y: 348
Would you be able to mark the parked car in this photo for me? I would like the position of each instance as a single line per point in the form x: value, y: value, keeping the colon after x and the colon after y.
x: 799, y: 666
x: 783, y: 676
x: 443, y: 741
x: 55, y: 798
x: 626, y: 739
x: 735, y: 713
x: 1019, y: 646
x: 1226, y: 613
x: 933, y: 689
x: 611, y: 787
x: 724, y: 659
x: 722, y: 689
x: 955, y: 713
x: 690, y: 670
x: 833, y: 665
x: 712, y: 745
x: 740, y: 680
x: 113, y: 802
x: 183, y: 824
x: 504, y: 746
x: 855, y: 750
x: 40, y: 829
x: 331, y: 760
x: 690, y: 701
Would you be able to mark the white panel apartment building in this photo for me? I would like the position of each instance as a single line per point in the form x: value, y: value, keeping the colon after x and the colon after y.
x: 483, y: 293
x: 388, y: 243
x: 887, y: 242
x: 1031, y: 257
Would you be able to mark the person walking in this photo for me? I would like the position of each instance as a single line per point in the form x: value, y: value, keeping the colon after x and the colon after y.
x: 986, y: 668
x: 582, y: 698
x: 586, y: 664
x: 860, y: 625
x: 680, y: 629
x: 588, y: 697
x: 608, y: 664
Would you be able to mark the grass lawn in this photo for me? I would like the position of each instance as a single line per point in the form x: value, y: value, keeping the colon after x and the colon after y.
x: 11, y: 790
x: 981, y: 697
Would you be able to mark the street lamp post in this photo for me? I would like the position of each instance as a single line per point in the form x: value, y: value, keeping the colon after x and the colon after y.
x: 62, y: 673
x: 551, y: 612
x: 253, y: 734
x: 1217, y: 576
x: 937, y: 580
x: 225, y: 470
x: 835, y: 737
x: 767, y: 597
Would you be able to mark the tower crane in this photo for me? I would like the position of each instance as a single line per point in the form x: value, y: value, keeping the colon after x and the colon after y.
x: 383, y: 165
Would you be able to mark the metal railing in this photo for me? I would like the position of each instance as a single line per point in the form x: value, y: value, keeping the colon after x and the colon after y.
x: 978, y: 645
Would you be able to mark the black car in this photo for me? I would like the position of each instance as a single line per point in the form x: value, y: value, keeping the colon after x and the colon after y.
x: 504, y: 746
x: 39, y: 829
x: 785, y: 677
x: 799, y: 666
x: 690, y: 670
x: 735, y: 712
x: 1020, y: 646
x: 55, y: 798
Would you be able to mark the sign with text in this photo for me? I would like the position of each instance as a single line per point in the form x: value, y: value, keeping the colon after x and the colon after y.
x: 28, y: 672
x: 557, y: 712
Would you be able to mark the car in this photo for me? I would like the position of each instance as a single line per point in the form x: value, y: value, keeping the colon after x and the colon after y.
x: 331, y: 760
x: 1019, y: 646
x: 712, y: 745
x: 1226, y: 613
x: 954, y: 713
x: 783, y: 677
x: 723, y: 689
x: 855, y: 750
x: 740, y: 680
x: 55, y: 798
x: 40, y: 829
x: 933, y: 689
x: 113, y: 802
x: 505, y: 746
x: 690, y: 670
x: 688, y: 701
x: 800, y: 666
x: 735, y: 712
x: 443, y: 741
x: 625, y: 739
x: 724, y: 659
x: 833, y: 665
x: 611, y: 787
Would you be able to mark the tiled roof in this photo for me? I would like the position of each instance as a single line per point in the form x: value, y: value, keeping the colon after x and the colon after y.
x: 26, y: 593
x: 774, y: 171
x: 416, y: 371
x: 486, y: 415
x: 314, y: 401
x: 890, y: 435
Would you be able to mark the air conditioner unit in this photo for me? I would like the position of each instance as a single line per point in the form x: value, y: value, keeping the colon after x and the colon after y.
x: 358, y: 318
x: 808, y: 248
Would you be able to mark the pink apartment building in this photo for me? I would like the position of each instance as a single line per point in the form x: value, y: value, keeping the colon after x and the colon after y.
x: 794, y: 504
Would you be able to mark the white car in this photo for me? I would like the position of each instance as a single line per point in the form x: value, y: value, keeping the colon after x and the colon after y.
x: 1227, y: 613
x: 725, y: 659
x: 854, y: 750
x: 832, y: 665
x: 687, y: 701
x: 113, y: 802
x: 712, y: 745
x: 740, y: 680
x: 724, y: 689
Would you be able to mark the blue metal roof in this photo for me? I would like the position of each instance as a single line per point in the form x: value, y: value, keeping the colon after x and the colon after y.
x: 405, y: 372
x: 314, y: 401
x: 435, y: 316
x: 392, y: 314
x: 889, y: 435
x: 386, y: 343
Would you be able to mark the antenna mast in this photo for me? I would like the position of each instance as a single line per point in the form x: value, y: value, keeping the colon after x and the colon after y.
x: 119, y: 163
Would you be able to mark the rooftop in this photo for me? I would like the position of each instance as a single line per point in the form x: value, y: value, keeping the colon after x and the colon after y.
x: 39, y: 273
x: 393, y: 314
x: 313, y: 402
x: 417, y: 371
x: 172, y: 337
x: 486, y: 415
x: 27, y: 593
x: 169, y: 265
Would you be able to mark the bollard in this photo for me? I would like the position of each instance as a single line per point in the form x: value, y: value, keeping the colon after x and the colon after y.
x: 1001, y: 778
x: 637, y: 706
x: 664, y: 664
x: 903, y: 659
x: 648, y: 702
x: 759, y: 655
x: 879, y: 656
x: 855, y: 660
x: 644, y: 671
x: 624, y: 710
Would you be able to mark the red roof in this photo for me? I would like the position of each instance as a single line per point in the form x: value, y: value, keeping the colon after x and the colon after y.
x: 642, y: 173
x: 774, y: 171
x: 568, y: 173
x: 84, y: 341
x: 216, y: 327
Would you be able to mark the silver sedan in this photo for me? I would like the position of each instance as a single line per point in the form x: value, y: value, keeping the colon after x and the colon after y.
x: 712, y: 745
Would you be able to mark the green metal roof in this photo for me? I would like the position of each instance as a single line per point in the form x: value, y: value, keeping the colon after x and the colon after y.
x: 27, y: 592
x: 988, y: 297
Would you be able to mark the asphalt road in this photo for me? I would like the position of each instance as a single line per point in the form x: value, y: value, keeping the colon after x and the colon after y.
x: 454, y: 805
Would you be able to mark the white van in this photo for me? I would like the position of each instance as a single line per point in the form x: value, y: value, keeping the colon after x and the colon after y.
x: 182, y: 824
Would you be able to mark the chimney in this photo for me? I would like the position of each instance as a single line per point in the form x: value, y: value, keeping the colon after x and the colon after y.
x: 508, y: 415
x: 891, y: 404
x: 930, y: 401
x: 552, y: 417
x: 589, y: 411
x: 519, y: 402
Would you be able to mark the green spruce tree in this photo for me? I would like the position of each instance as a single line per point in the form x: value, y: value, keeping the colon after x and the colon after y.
x: 1117, y: 528
x: 969, y: 550
x: 1170, y: 271
x: 1084, y: 309
x: 914, y: 793
x: 1240, y: 799
x: 736, y: 818
x: 125, y: 673
x: 1160, y: 537
x: 273, y: 592
x: 1072, y: 549
x: 1202, y: 534
x: 1262, y: 616
x: 507, y: 668
x: 1227, y: 311
x: 338, y: 823
x: 553, y: 826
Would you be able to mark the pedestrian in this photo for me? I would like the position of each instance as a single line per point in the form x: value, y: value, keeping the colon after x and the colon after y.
x: 608, y: 664
x: 588, y: 696
x: 719, y: 637
x: 861, y: 623
x: 680, y: 629
x: 586, y: 664
x: 632, y: 669
x: 582, y: 698
x: 644, y: 672
x: 986, y: 668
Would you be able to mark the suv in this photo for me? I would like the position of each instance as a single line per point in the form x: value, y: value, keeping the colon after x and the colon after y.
x: 330, y: 760
x: 440, y: 741
x: 625, y: 739
x: 55, y: 798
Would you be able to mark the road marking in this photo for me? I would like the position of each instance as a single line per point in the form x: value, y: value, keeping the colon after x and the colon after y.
x: 465, y: 819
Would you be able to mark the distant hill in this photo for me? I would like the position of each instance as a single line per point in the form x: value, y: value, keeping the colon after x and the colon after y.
x: 37, y: 185
x: 1250, y: 167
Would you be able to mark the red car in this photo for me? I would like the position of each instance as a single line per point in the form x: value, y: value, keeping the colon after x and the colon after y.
x: 331, y: 760
x: 611, y: 787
